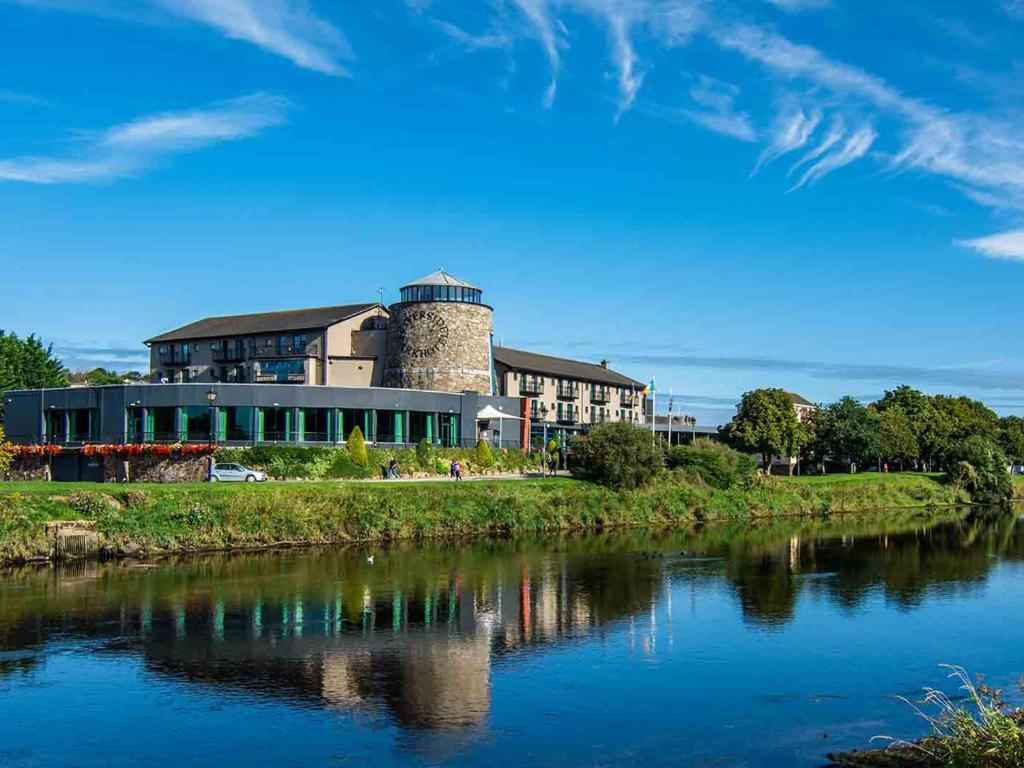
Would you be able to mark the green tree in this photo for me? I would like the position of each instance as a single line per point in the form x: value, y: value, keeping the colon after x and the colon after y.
x: 101, y: 376
x: 357, y: 447
x: 916, y: 406
x: 6, y: 452
x: 29, y: 364
x: 1011, y: 438
x: 848, y: 430
x: 977, y: 464
x: 954, y: 420
x: 425, y: 458
x: 765, y: 423
x: 483, y: 457
x: 618, y: 454
x: 898, y: 440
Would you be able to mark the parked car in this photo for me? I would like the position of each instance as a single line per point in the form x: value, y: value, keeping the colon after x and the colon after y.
x: 1017, y: 469
x: 224, y: 473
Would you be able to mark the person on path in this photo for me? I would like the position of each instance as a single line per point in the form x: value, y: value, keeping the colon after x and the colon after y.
x: 451, y: 469
x: 458, y: 470
x: 392, y: 470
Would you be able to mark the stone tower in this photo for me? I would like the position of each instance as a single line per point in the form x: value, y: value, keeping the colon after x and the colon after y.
x: 439, y: 337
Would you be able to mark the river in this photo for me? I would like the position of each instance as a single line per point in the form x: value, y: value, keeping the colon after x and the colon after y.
x: 715, y: 647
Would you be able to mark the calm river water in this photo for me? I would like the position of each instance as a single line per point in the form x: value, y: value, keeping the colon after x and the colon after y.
x: 719, y: 647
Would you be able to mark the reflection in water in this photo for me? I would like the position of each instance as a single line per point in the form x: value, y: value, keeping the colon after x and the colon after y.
x: 415, y: 637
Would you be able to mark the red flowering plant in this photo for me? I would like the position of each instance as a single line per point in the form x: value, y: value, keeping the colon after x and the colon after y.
x: 36, y: 451
x: 152, y: 449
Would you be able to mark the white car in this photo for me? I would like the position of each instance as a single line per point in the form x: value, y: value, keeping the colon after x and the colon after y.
x: 227, y: 473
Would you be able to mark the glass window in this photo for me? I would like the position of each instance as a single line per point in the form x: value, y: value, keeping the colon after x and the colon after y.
x: 299, y: 341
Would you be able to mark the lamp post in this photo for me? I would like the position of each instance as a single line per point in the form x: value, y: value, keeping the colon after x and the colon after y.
x: 211, y: 398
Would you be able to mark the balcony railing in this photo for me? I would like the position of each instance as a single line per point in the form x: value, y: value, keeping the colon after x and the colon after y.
x: 568, y: 391
x: 566, y: 416
x: 600, y: 395
x: 228, y: 354
x: 175, y: 358
x: 531, y: 386
x: 281, y: 351
x: 629, y: 400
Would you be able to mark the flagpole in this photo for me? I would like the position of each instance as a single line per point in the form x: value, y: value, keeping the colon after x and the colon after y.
x: 670, y: 417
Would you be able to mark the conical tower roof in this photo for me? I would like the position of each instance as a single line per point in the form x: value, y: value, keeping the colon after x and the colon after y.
x: 441, y: 278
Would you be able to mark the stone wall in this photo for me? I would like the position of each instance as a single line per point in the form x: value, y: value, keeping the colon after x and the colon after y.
x: 26, y: 468
x: 440, y: 346
x: 156, y: 469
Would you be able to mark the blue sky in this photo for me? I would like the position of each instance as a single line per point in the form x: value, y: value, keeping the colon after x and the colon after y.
x: 822, y: 195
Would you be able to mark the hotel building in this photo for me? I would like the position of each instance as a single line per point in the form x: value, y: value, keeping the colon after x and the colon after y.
x: 424, y: 367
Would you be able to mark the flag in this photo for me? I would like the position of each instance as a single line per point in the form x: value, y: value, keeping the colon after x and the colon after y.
x: 670, y: 401
x: 649, y: 389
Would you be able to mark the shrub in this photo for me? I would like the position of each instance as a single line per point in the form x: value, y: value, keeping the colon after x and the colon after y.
x: 618, y: 454
x: 136, y: 499
x: 979, y: 467
x: 6, y: 452
x: 88, y: 504
x: 483, y: 457
x: 425, y: 454
x: 714, y: 464
x: 357, y: 447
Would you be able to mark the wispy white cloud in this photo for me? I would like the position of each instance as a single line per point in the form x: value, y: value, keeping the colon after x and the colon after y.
x: 129, y: 148
x: 626, y: 60
x: 473, y: 42
x: 546, y: 30
x: 792, y: 129
x: 286, y: 28
x: 718, y: 114
x: 855, y: 147
x: 1006, y: 245
x: 736, y: 126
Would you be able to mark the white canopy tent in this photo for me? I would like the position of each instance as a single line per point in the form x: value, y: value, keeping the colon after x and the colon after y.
x: 490, y: 413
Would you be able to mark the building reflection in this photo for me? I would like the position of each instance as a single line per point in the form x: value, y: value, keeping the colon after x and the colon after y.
x: 415, y: 637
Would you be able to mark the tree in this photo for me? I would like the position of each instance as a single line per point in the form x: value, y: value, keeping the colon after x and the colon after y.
x: 979, y: 466
x: 6, y: 452
x: 28, y: 364
x: 425, y: 458
x: 954, y: 420
x: 849, y: 431
x: 101, y: 376
x: 357, y: 448
x: 484, y: 457
x: 618, y: 454
x: 898, y: 440
x: 1011, y: 438
x: 766, y: 423
x: 916, y: 407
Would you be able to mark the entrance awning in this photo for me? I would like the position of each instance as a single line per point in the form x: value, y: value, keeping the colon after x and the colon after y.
x: 490, y: 413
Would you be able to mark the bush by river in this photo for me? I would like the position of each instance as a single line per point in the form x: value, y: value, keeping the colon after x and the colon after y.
x: 189, y: 517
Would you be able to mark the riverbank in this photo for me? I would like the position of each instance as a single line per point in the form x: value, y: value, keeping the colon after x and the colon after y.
x: 148, y: 519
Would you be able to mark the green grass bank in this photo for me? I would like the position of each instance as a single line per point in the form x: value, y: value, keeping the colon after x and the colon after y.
x: 149, y: 519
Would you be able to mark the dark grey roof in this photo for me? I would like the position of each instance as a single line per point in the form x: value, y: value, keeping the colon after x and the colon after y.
x: 531, y: 362
x: 441, y: 278
x: 264, y: 322
x: 798, y: 399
